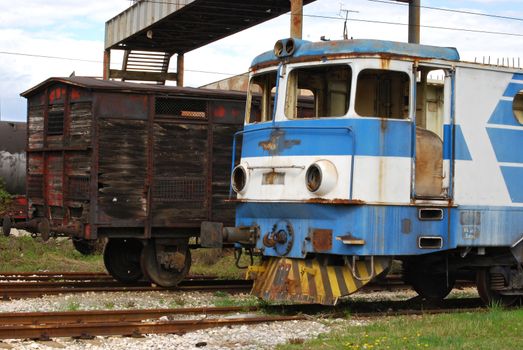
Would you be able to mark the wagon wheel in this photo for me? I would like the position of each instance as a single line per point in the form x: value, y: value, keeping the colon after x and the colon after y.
x: 159, y: 264
x: 430, y: 286
x: 122, y: 259
x: 489, y: 296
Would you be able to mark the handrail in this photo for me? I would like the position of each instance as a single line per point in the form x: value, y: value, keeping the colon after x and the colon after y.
x: 348, y: 128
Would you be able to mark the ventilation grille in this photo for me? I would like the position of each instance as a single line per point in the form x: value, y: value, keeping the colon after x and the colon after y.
x: 182, y: 108
x: 78, y: 188
x: 55, y: 123
x: 179, y: 190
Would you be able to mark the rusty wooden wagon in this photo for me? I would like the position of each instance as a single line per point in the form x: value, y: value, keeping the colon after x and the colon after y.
x: 141, y: 165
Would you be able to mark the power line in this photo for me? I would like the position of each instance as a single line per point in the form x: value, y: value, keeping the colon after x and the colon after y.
x: 450, y: 10
x: 422, y: 26
x: 100, y: 62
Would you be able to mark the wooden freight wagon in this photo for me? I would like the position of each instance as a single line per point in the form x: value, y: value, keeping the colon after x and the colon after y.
x: 141, y: 165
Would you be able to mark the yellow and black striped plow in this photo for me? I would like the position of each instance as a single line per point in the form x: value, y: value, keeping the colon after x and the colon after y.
x: 312, y: 281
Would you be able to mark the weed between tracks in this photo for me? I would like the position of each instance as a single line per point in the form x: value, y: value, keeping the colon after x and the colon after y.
x: 495, y: 329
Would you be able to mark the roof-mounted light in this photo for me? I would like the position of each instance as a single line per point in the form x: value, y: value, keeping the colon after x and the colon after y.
x: 284, y: 47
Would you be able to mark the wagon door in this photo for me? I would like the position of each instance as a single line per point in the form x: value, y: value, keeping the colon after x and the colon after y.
x: 181, y: 163
x: 433, y: 136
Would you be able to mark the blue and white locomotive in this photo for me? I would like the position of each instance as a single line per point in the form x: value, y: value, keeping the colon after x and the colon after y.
x: 352, y: 156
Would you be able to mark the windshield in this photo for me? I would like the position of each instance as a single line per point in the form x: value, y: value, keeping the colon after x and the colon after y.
x: 260, y: 98
x: 317, y: 92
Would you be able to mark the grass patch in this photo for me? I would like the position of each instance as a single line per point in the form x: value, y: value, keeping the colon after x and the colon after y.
x: 222, y: 264
x: 494, y: 329
x: 26, y: 254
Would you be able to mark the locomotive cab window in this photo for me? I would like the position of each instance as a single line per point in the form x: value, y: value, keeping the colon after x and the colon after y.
x: 260, y: 98
x: 383, y: 94
x: 517, y: 107
x: 317, y: 92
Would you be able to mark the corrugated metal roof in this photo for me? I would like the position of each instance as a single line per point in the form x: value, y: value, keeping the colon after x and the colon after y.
x: 110, y: 85
x: 184, y: 25
x: 362, y: 47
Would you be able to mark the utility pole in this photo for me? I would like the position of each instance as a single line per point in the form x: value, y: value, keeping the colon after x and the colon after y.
x: 414, y: 20
x: 296, y: 18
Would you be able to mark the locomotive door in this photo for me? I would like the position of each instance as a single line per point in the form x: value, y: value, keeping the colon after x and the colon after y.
x: 433, y: 139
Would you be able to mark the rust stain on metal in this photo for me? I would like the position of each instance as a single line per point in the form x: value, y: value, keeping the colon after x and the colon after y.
x: 321, y: 240
x: 310, y: 201
x: 277, y: 142
x: 385, y: 62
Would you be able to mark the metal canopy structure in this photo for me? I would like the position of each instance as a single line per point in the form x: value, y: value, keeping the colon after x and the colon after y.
x: 158, y: 29
x: 189, y: 27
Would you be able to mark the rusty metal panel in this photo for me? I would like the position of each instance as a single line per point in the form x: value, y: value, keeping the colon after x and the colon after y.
x: 321, y: 240
x: 429, y: 164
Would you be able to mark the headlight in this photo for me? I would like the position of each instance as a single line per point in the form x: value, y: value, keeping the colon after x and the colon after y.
x: 239, y: 178
x: 321, y: 177
x: 313, y: 178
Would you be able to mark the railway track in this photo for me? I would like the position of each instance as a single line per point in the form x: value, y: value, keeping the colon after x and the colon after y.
x: 87, y: 324
x: 32, y: 285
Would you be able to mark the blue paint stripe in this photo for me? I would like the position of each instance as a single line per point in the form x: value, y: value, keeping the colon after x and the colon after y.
x: 374, y: 137
x: 514, y: 180
x: 503, y: 114
x: 513, y: 89
x: 507, y: 144
x: 517, y: 76
x: 461, y: 149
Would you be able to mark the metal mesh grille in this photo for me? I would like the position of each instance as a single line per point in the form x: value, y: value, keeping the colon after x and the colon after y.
x: 179, y: 190
x: 35, y: 186
x: 55, y: 123
x: 78, y: 188
x: 183, y: 108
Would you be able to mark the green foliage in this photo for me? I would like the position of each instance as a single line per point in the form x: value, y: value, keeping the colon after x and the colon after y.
x: 5, y: 197
x: 495, y: 329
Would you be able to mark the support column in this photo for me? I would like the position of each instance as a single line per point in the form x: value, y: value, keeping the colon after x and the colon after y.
x: 296, y: 18
x: 414, y: 21
x: 107, y: 64
x: 179, y: 69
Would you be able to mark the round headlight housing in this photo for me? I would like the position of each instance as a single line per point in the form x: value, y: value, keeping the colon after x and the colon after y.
x: 321, y: 177
x: 313, y: 178
x: 239, y: 178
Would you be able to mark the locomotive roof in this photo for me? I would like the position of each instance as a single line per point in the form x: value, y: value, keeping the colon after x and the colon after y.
x: 110, y: 85
x: 307, y: 49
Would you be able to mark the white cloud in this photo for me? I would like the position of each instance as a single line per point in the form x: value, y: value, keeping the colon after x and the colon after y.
x: 68, y: 28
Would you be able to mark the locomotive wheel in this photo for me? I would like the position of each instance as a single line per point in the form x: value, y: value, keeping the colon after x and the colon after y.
x: 160, y: 274
x: 430, y: 286
x: 6, y: 226
x: 489, y: 296
x: 122, y: 259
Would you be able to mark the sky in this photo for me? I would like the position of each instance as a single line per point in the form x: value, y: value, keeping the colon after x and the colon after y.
x: 75, y: 30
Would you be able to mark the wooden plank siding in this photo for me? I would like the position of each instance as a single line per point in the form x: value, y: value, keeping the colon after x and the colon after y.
x: 142, y: 161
